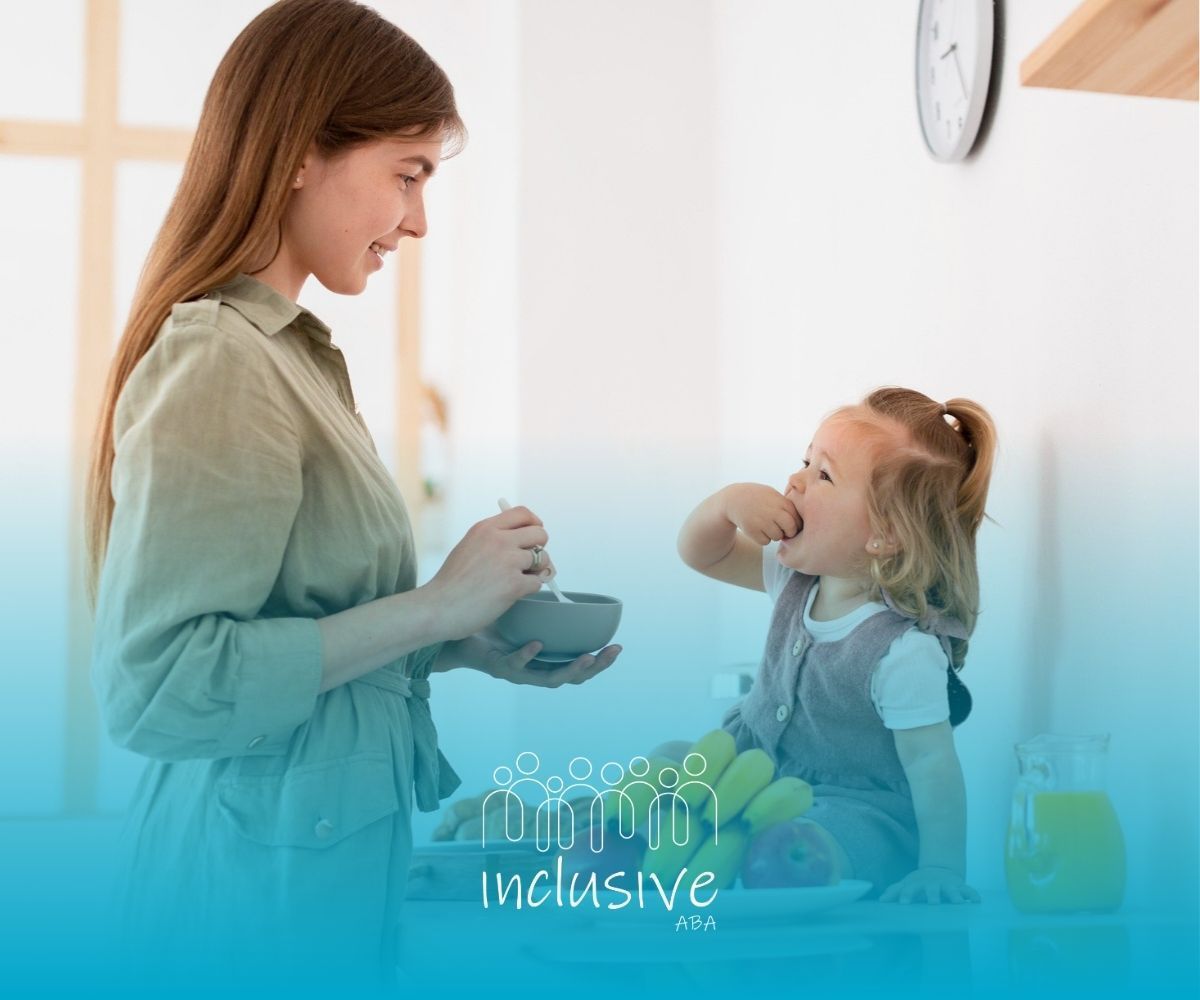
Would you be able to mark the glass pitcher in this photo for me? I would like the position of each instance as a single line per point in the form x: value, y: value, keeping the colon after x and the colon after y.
x: 1065, y: 850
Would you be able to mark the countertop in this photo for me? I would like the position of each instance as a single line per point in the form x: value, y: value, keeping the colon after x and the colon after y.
x: 983, y: 949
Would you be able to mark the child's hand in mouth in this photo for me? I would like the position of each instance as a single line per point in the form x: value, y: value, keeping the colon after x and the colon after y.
x: 761, y: 513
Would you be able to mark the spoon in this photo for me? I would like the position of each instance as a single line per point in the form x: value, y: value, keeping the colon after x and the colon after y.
x: 548, y: 581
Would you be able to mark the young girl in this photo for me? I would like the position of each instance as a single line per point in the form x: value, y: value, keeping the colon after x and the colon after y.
x: 259, y: 634
x: 876, y: 593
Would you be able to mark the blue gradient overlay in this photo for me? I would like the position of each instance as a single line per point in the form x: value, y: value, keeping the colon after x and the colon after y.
x: 59, y: 930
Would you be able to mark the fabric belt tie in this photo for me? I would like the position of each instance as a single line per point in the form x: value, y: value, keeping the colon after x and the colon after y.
x: 433, y: 777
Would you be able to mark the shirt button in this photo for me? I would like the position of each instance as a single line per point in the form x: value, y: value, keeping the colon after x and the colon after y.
x: 797, y: 646
x: 256, y: 742
x: 781, y: 713
x: 323, y: 830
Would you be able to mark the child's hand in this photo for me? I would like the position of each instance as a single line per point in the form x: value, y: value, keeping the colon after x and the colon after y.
x: 761, y: 513
x: 930, y: 885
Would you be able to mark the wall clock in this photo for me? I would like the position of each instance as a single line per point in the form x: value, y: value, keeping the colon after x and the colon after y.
x: 954, y: 64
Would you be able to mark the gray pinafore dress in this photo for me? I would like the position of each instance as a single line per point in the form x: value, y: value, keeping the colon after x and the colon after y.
x: 810, y: 708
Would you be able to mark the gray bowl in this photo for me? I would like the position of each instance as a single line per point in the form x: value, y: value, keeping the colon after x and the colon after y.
x: 564, y: 630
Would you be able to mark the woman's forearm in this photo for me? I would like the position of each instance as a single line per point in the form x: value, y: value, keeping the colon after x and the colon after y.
x: 358, y: 640
x: 940, y: 802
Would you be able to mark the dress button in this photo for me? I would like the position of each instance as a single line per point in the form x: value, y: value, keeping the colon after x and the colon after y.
x: 781, y: 713
x: 255, y: 742
x: 797, y: 646
x: 323, y: 830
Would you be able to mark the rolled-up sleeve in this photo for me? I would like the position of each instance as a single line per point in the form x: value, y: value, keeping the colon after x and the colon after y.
x: 207, y: 481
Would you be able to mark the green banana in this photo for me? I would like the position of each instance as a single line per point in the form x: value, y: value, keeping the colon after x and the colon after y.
x: 780, y: 801
x: 722, y: 854
x: 748, y: 775
x: 668, y: 859
x: 717, y: 750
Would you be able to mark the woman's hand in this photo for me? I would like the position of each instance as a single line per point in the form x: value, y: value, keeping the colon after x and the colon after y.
x: 487, y: 652
x: 489, y: 570
x: 930, y: 885
x: 761, y: 513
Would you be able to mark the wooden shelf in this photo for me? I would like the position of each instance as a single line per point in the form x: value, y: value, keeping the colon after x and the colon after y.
x: 1143, y: 47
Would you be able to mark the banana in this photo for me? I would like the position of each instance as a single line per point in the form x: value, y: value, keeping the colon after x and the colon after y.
x: 722, y: 854
x: 667, y: 859
x: 717, y: 750
x: 780, y: 801
x: 748, y: 775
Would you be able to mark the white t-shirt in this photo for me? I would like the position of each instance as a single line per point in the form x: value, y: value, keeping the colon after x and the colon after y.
x: 908, y: 686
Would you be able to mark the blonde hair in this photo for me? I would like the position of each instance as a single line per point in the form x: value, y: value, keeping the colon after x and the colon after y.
x: 927, y: 498
x: 332, y: 74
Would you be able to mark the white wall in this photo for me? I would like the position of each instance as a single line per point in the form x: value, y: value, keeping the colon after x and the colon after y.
x: 612, y: 287
x: 617, y: 334
x: 727, y: 225
x: 1052, y: 277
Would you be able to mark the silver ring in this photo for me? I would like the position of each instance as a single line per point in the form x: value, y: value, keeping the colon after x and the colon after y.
x: 536, y: 551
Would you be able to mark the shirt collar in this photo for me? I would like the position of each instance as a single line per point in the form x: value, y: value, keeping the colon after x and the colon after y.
x: 270, y: 310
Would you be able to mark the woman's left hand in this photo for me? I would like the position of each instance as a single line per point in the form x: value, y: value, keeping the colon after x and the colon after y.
x: 930, y: 885
x: 487, y: 652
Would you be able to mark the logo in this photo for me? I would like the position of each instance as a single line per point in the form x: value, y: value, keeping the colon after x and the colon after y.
x: 643, y: 816
x: 560, y: 808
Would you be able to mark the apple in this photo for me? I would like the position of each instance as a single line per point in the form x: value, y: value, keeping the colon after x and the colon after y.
x: 618, y: 854
x: 789, y: 855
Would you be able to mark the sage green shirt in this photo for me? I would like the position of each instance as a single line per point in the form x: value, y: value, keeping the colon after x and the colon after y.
x: 250, y: 502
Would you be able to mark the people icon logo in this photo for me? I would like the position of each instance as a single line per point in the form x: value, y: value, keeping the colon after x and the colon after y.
x: 636, y: 817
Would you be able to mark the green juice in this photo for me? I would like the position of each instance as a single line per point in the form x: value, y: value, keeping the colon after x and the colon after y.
x: 1065, y: 852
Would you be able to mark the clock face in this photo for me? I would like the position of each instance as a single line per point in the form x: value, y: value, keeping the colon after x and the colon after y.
x: 954, y: 62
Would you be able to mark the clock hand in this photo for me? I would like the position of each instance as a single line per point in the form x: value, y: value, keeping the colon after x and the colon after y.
x: 948, y: 51
x: 958, y: 66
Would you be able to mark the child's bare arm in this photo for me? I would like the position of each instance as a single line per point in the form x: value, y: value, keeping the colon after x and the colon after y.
x: 724, y: 536
x: 940, y: 803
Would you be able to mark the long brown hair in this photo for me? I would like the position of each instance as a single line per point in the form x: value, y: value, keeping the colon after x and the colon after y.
x: 326, y: 73
x: 927, y: 497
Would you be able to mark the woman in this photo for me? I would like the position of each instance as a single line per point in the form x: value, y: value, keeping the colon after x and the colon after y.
x: 259, y: 634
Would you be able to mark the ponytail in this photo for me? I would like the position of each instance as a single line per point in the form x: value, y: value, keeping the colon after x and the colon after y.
x: 971, y: 420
